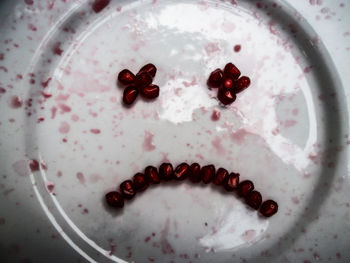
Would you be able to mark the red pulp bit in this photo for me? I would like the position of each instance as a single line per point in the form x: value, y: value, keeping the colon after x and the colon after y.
x: 231, y: 71
x: 166, y: 171
x: 226, y: 96
x: 216, y: 78
x: 152, y: 175
x: 207, y: 173
x: 130, y: 95
x: 254, y: 199
x: 126, y: 77
x: 269, y: 208
x: 140, y: 182
x: 241, y: 84
x: 182, y: 171
x: 220, y: 176
x: 231, y: 182
x: 127, y: 189
x: 115, y: 199
x: 143, y: 79
x: 150, y: 69
x: 150, y: 92
x: 245, y: 187
x: 195, y: 173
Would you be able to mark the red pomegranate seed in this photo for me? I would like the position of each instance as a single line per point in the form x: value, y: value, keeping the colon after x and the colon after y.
x: 228, y: 83
x: 150, y: 92
x: 130, y: 95
x: 115, y: 199
x: 226, y: 96
x: 254, y: 199
x: 231, y: 71
x: 241, y: 84
x: 152, y: 175
x: 166, y: 171
x: 268, y: 208
x: 231, y: 182
x: 215, y: 78
x: 220, y: 176
x: 182, y: 171
x: 195, y: 173
x: 98, y: 5
x: 150, y: 69
x: 127, y: 189
x: 245, y: 187
x: 143, y: 79
x: 207, y: 173
x: 140, y: 182
x: 126, y: 77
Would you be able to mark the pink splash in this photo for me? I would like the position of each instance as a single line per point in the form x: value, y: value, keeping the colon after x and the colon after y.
x: 64, y: 127
x: 75, y: 117
x: 64, y: 108
x: 21, y: 167
x: 212, y: 48
x: 119, y: 8
x: 94, y: 178
x: 16, y: 102
x: 29, y: 2
x: 81, y: 178
x: 62, y: 97
x: 95, y: 131
x: 148, y: 145
x: 49, y: 186
x: 59, y: 174
x: 166, y: 247
x: 228, y: 26
x: 192, y: 83
x: 289, y: 123
x: 218, y: 146
x: 53, y: 112
x: 215, y: 116
x: 248, y: 235
x: 239, y: 136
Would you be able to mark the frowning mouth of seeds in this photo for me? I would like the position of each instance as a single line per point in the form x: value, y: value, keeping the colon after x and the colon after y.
x: 207, y: 174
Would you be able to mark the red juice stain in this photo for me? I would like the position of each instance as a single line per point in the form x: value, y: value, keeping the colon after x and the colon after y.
x: 2, y: 56
x: 57, y: 49
x: 53, y: 112
x: 16, y: 102
x: 99, y: 5
x: 46, y: 95
x: 64, y: 108
x: 64, y: 127
x: 2, y: 90
x: 46, y: 82
x: 59, y: 174
x: 119, y: 8
x: 81, y: 178
x: 49, y: 186
x: 215, y: 116
x: 95, y: 131
x: 19, y: 76
x: 40, y: 119
x: 29, y: 2
x: 32, y: 27
x: 237, y: 48
x: 3, y: 69
x: 34, y: 165
x: 148, y: 144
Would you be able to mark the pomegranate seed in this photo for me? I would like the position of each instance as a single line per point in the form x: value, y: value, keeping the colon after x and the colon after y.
x: 226, y: 96
x: 140, y: 182
x: 231, y: 71
x: 166, y: 171
x: 130, y: 95
x: 127, y: 189
x: 269, y: 208
x: 152, y: 175
x: 207, y: 173
x: 215, y: 78
x: 115, y: 199
x: 126, y: 77
x: 241, y: 84
x: 195, y: 173
x: 150, y: 69
x: 220, y: 176
x: 254, y: 199
x: 245, y: 187
x: 228, y: 83
x: 150, y: 92
x: 231, y: 182
x: 98, y: 5
x: 182, y: 171
x: 143, y: 79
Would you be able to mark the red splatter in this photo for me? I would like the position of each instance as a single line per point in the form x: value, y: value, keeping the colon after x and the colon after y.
x: 64, y: 108
x: 46, y: 95
x: 81, y: 178
x: 289, y: 123
x: 57, y: 49
x: 29, y: 2
x: 312, y: 2
x: 46, y: 82
x: 237, y: 48
x: 40, y: 119
x: 59, y: 174
x: 2, y: 90
x: 95, y: 131
x: 16, y: 102
x: 166, y: 247
x: 64, y: 127
x: 148, y: 145
x: 62, y: 97
x: 49, y: 186
x: 34, y: 165
x: 32, y: 27
x: 2, y: 56
x: 147, y: 239
x: 3, y: 69
x: 53, y: 112
x: 215, y: 115
x: 75, y: 117
x: 119, y: 8
x: 21, y: 167
x: 99, y: 5
x: 212, y: 48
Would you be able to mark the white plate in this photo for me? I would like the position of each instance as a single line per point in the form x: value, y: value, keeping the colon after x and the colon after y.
x: 60, y: 105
